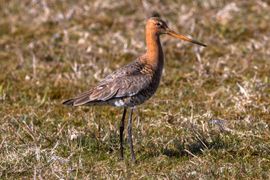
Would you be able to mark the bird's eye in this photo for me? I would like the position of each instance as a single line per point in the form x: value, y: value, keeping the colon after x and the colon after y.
x: 159, y: 24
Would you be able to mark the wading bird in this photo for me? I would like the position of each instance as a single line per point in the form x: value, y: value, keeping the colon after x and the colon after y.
x: 134, y: 83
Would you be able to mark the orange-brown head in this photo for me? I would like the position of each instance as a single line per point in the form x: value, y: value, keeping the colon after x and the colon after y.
x: 158, y: 26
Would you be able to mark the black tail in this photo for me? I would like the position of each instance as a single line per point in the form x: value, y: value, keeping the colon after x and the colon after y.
x: 82, y: 99
x: 69, y: 102
x: 78, y: 101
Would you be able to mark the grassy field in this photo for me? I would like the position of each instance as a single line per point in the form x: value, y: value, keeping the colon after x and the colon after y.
x: 208, y: 120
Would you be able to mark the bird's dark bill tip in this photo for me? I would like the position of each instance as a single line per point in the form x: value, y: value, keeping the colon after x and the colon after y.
x: 199, y: 43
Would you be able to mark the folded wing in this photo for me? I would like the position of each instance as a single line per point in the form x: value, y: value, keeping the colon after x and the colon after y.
x: 125, y: 82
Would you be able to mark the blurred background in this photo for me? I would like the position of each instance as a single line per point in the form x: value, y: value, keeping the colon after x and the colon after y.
x: 209, y: 118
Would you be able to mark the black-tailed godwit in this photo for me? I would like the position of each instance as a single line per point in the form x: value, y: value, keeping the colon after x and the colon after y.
x: 134, y: 83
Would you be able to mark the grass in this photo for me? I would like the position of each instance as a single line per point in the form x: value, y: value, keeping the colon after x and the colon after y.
x: 208, y: 120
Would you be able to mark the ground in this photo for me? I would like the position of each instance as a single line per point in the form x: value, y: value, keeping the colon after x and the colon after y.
x: 208, y: 120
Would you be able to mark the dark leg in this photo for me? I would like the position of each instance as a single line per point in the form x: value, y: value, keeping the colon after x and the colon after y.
x: 130, y: 136
x: 122, y: 126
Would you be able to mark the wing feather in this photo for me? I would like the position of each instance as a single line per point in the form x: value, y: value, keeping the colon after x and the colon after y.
x: 126, y: 81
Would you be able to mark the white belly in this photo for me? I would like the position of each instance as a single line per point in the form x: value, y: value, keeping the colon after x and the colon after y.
x: 119, y: 103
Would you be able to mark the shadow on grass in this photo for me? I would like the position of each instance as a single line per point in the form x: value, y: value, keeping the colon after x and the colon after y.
x: 179, y: 147
x: 195, y: 148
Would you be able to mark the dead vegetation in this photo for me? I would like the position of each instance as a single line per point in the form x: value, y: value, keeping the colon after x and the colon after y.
x: 209, y: 118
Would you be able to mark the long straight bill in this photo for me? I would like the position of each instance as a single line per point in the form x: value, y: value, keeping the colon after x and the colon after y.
x: 184, y: 38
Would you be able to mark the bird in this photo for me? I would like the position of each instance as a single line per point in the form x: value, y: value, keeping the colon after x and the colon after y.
x: 134, y: 83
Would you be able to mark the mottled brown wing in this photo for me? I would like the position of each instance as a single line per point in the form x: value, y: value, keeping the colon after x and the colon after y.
x: 133, y: 68
x: 127, y: 81
x: 120, y: 87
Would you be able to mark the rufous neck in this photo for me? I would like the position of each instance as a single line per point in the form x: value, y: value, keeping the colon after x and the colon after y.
x: 154, y: 51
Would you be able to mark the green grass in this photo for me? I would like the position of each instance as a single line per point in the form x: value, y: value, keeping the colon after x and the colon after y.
x: 209, y: 118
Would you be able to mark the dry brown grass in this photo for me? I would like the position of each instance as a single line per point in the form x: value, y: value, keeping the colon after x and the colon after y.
x: 209, y: 118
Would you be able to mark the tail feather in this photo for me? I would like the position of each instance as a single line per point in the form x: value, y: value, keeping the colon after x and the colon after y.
x: 82, y: 100
x: 69, y: 102
x: 78, y: 101
x: 95, y: 96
